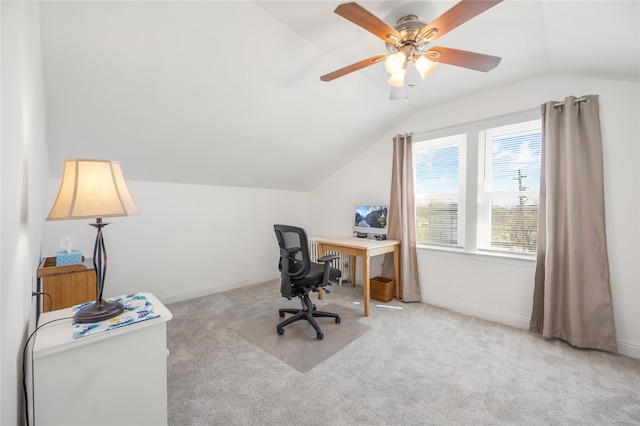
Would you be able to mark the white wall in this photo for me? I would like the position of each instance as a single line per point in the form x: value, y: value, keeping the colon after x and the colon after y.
x: 189, y: 240
x: 501, y: 289
x: 24, y: 171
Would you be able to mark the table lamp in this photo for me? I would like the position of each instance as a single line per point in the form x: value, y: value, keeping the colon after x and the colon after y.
x: 94, y: 189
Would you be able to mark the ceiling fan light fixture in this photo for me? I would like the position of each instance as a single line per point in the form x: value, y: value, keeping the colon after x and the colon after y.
x: 425, y: 67
x: 395, y: 62
x: 407, y: 44
x: 397, y: 79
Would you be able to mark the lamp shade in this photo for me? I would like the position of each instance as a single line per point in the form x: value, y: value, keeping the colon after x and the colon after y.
x: 395, y: 62
x: 92, y: 189
x: 425, y: 67
x: 397, y: 79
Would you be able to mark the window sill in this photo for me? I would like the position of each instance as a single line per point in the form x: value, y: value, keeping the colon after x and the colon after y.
x: 480, y: 255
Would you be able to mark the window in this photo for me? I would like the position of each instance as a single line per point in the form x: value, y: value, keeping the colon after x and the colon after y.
x: 477, y: 185
x: 439, y: 172
x: 509, y: 187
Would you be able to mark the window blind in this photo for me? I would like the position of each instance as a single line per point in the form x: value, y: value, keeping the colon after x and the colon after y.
x: 439, y: 190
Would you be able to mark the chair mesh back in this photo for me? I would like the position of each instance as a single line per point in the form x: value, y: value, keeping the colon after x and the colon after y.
x: 291, y: 237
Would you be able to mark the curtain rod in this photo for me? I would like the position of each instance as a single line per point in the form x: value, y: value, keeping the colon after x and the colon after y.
x: 575, y: 101
x: 491, y: 119
x: 556, y: 105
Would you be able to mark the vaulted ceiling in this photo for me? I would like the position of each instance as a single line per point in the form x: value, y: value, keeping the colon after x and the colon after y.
x: 228, y: 92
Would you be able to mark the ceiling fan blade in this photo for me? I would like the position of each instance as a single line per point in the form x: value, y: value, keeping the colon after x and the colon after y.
x: 353, y: 67
x: 462, y: 58
x: 457, y: 15
x: 365, y: 19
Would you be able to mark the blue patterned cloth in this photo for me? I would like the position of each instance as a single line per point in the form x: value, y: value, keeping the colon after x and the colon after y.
x: 137, y: 308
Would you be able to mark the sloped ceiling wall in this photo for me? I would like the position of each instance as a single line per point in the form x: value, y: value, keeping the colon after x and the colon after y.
x: 228, y: 93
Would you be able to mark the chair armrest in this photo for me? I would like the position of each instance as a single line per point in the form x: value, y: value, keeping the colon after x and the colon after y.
x: 328, y: 258
x: 327, y: 266
x: 285, y: 256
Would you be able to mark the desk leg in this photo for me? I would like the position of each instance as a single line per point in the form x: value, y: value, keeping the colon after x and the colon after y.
x: 353, y: 261
x: 396, y: 269
x: 366, y: 263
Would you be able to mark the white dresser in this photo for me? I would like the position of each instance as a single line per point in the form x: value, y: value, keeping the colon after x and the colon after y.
x: 117, y: 377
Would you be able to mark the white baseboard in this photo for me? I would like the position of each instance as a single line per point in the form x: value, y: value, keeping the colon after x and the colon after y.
x: 193, y: 293
x: 480, y: 312
x: 624, y: 348
x: 628, y: 349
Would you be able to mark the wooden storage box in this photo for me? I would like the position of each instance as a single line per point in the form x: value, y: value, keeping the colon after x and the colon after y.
x: 382, y: 288
x: 67, y: 285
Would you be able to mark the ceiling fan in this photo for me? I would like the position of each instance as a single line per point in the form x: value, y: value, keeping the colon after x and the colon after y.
x: 408, y: 42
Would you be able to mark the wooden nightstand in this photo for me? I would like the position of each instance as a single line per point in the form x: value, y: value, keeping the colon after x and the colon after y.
x: 68, y: 285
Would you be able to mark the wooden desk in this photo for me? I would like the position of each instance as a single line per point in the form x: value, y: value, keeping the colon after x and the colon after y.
x: 366, y: 249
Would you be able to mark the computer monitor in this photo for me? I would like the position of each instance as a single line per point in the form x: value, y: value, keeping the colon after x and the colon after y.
x: 371, y: 220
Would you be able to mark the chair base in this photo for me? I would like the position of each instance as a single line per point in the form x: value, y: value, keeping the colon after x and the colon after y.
x: 308, y: 313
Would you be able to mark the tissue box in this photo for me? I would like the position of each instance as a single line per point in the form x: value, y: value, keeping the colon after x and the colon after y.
x: 64, y: 258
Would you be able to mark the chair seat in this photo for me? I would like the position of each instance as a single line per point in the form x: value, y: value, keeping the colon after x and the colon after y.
x: 314, y: 276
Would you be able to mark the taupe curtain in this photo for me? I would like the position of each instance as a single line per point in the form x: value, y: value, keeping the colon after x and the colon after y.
x: 401, y: 220
x: 572, y: 295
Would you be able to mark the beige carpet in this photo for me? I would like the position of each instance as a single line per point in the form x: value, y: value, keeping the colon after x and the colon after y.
x: 417, y: 365
x: 298, y: 346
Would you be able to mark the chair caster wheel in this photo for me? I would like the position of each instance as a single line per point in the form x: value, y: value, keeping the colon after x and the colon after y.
x: 280, y: 330
x: 281, y: 314
x: 338, y: 320
x: 320, y: 336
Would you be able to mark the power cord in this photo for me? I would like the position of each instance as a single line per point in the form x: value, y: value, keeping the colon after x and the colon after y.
x: 24, y: 372
x: 39, y: 293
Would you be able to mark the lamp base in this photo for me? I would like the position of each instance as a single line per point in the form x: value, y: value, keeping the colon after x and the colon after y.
x: 98, y: 311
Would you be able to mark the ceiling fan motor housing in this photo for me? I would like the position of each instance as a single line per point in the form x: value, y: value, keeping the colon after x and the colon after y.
x: 409, y: 27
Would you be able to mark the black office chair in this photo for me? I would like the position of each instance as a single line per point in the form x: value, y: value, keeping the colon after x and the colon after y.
x: 300, y: 276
